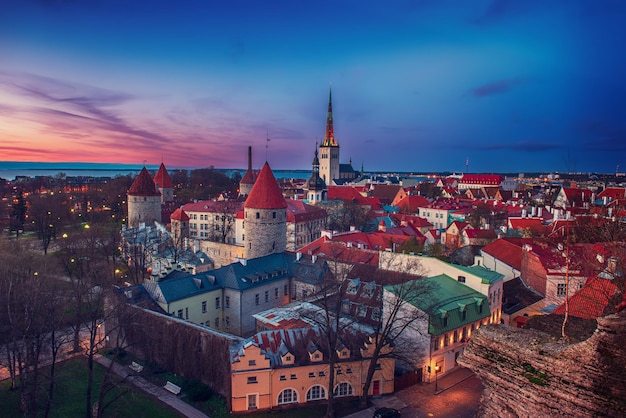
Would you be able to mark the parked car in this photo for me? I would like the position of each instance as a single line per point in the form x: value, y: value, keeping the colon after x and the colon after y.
x: 386, y: 413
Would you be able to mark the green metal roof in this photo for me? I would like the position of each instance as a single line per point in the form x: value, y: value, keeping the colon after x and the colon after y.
x: 447, y: 301
x: 487, y: 276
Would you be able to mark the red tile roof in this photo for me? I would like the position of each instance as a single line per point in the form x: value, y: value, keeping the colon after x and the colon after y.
x: 613, y: 193
x: 265, y: 193
x: 162, y: 178
x: 298, y: 211
x: 143, y: 185
x: 590, y: 301
x: 507, y: 250
x: 534, y: 225
x: 340, y: 251
x: 486, y: 179
x: 411, y: 203
x: 347, y: 194
x: 179, y: 215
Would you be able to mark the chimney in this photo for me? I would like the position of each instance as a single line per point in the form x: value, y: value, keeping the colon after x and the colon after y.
x: 249, y: 158
x: 298, y: 256
x: 539, y: 212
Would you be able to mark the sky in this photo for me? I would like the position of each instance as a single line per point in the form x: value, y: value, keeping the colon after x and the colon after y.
x: 417, y: 85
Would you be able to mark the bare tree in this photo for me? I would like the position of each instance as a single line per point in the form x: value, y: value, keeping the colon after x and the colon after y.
x: 88, y: 258
x: 397, y: 293
x: 29, y: 299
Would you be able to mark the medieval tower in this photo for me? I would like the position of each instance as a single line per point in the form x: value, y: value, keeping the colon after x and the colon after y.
x: 265, y: 217
x: 180, y: 227
x: 247, y: 181
x: 315, y: 187
x: 164, y: 184
x: 144, y: 201
x: 329, y: 149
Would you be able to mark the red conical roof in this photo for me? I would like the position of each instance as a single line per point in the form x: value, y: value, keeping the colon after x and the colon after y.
x: 162, y: 178
x: 143, y: 185
x: 265, y: 193
x: 179, y: 215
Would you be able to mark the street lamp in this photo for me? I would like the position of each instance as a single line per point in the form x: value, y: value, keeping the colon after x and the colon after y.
x: 436, y: 373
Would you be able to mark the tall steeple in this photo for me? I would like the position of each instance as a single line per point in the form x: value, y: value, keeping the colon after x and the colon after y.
x: 329, y: 148
x: 329, y: 138
x: 315, y: 187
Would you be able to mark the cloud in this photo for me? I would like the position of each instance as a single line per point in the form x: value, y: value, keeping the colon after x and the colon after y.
x: 497, y: 87
x: 521, y: 146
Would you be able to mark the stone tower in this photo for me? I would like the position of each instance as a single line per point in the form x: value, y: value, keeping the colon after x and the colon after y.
x: 329, y: 149
x: 144, y: 200
x: 247, y: 181
x: 179, y: 227
x: 164, y: 184
x: 265, y: 217
x: 316, y: 187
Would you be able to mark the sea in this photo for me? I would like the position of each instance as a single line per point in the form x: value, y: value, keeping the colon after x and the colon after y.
x: 10, y: 170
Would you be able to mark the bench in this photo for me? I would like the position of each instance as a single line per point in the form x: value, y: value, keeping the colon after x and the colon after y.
x: 170, y: 387
x: 136, y: 367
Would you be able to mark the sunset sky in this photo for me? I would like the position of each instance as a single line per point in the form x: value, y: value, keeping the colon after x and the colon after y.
x: 418, y: 85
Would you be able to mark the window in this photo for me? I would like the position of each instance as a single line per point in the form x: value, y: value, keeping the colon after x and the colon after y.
x: 256, y: 299
x: 322, y: 374
x: 378, y: 366
x: 445, y: 340
x: 252, y: 404
x: 217, y: 322
x: 276, y: 293
x: 180, y: 313
x: 252, y: 380
x: 461, y: 279
x: 251, y: 362
x: 436, y: 347
x: 287, y: 396
x: 343, y: 389
x: 348, y: 370
x: 217, y: 303
x: 376, y: 314
x: 283, y: 377
x: 258, y: 215
x: 560, y: 290
x: 287, y: 358
x: 186, y: 313
x: 312, y: 374
x: 285, y: 290
x: 316, y: 392
x: 204, y: 306
x: 267, y: 296
x: 445, y: 321
x: 464, y: 315
x: 339, y: 371
x: 274, y: 215
x: 227, y: 302
x: 293, y: 377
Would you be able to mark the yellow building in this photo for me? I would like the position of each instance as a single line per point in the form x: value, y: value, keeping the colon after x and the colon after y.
x: 289, y: 367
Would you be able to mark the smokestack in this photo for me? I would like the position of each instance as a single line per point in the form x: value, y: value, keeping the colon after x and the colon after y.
x: 249, y: 158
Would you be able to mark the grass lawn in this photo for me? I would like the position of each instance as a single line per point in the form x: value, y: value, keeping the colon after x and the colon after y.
x: 69, y: 396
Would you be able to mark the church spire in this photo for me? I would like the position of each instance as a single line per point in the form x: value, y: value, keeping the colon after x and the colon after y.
x: 329, y: 138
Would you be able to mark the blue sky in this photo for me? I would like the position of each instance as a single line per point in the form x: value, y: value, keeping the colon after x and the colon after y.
x: 511, y: 86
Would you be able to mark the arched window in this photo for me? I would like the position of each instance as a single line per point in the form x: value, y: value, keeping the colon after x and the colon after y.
x: 287, y: 396
x: 316, y: 392
x: 343, y: 389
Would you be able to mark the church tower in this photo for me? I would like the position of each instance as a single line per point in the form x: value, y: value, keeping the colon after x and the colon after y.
x: 247, y: 181
x: 164, y: 184
x: 265, y: 217
x: 144, y: 201
x: 329, y: 149
x: 316, y: 187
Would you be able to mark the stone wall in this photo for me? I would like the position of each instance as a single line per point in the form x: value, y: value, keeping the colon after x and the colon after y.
x: 528, y: 373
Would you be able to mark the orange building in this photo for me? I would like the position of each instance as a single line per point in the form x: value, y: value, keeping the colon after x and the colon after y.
x: 289, y: 367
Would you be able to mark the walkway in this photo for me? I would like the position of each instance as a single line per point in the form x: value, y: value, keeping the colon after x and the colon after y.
x: 457, y: 396
x: 153, y: 390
